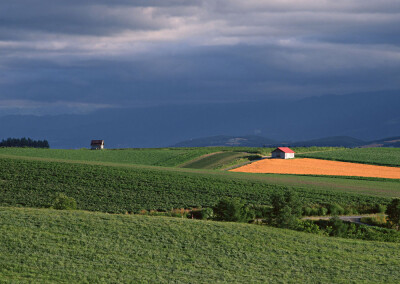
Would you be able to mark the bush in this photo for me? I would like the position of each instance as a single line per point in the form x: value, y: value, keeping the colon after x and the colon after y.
x: 260, y: 211
x: 314, y: 211
x: 63, y: 202
x: 307, y: 211
x: 393, y: 212
x: 322, y: 211
x: 203, y: 214
x: 286, y: 210
x: 232, y: 209
x: 254, y: 157
x: 339, y: 228
x: 309, y: 226
x: 336, y: 209
x: 381, y: 208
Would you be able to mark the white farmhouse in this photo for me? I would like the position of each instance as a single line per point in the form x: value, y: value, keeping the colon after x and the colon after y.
x: 283, y: 153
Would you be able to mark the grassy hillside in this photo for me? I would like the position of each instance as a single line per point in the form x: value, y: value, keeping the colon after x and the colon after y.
x: 375, y: 156
x: 69, y: 247
x: 27, y: 182
x: 167, y: 157
x: 215, y: 161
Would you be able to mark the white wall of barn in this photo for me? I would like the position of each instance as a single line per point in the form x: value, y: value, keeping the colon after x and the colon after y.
x: 288, y: 155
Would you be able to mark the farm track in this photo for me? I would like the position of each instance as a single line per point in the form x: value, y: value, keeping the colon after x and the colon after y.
x: 307, y: 166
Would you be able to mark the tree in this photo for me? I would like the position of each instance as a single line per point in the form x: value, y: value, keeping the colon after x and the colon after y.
x: 286, y: 210
x: 63, y: 202
x: 232, y: 209
x: 393, y: 212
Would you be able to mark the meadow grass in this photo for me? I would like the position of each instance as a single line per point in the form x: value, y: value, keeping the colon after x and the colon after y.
x: 48, y: 246
x: 375, y: 156
x: 97, y: 187
x: 166, y: 157
x: 216, y: 160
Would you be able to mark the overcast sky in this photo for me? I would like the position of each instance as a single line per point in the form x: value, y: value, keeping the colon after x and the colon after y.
x: 77, y: 56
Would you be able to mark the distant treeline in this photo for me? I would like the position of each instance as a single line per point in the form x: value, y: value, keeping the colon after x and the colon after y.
x: 24, y: 142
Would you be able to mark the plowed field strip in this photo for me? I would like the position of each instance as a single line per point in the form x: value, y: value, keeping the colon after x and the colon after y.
x: 308, y: 166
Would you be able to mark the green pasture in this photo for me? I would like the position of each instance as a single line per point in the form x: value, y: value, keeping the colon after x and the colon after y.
x: 118, y: 188
x: 47, y: 246
x: 166, y: 157
x: 375, y: 156
x: 216, y: 160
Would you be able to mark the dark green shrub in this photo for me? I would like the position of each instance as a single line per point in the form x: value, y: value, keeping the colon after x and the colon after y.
x: 63, y: 202
x: 307, y: 211
x: 207, y: 213
x: 339, y: 228
x: 254, y: 157
x: 336, y: 209
x: 309, y: 226
x: 232, y: 209
x: 381, y: 208
x: 393, y: 212
x: 314, y: 211
x: 322, y: 211
x: 286, y: 210
x: 348, y: 211
x: 260, y: 211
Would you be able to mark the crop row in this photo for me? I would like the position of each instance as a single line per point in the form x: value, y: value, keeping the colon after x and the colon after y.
x: 115, y: 189
x: 47, y: 246
x: 375, y: 156
x: 167, y: 157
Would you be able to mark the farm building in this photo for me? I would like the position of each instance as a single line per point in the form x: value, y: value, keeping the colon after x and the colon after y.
x: 283, y: 153
x: 97, y: 144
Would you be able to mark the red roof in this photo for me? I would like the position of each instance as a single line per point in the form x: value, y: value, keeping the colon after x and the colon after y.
x: 284, y: 150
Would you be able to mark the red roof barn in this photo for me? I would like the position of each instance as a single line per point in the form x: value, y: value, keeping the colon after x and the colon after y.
x: 283, y: 153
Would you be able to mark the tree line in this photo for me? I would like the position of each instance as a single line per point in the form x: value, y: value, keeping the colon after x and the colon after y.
x: 24, y: 142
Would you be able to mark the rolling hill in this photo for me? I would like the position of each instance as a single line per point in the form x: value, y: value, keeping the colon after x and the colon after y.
x: 41, y: 245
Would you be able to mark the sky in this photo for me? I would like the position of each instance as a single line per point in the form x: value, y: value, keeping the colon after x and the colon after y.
x: 79, y: 56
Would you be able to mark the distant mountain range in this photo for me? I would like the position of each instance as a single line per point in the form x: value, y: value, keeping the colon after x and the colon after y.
x: 226, y: 140
x: 366, y: 116
x: 258, y: 141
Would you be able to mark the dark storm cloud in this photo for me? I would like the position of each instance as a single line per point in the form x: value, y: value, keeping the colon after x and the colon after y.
x: 120, y: 53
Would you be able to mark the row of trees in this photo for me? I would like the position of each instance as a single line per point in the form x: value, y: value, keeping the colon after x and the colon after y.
x: 24, y: 142
x: 285, y: 212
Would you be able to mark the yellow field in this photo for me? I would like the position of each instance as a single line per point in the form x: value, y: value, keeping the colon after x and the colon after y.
x: 318, y: 167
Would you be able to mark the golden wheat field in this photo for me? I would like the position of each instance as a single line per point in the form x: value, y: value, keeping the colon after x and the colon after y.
x: 308, y: 166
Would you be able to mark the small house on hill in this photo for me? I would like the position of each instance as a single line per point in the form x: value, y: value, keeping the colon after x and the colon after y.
x: 283, y: 153
x: 97, y: 144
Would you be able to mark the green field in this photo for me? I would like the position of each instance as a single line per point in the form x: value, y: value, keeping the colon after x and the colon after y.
x: 129, y: 188
x: 375, y: 156
x: 50, y: 246
x: 216, y: 160
x: 44, y: 245
x: 166, y: 157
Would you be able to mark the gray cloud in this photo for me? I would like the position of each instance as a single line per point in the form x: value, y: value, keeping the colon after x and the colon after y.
x: 118, y: 53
